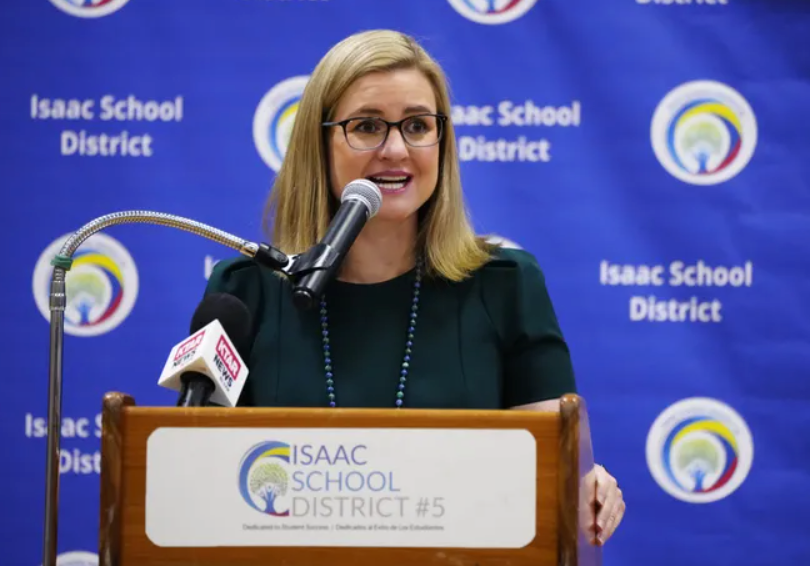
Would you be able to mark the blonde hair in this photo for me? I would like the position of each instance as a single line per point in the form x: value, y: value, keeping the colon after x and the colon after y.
x: 301, y: 205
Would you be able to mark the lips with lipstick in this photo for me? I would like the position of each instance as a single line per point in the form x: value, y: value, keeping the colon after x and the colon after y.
x: 391, y: 182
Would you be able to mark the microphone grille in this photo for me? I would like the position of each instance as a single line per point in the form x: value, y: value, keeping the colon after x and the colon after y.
x: 364, y: 191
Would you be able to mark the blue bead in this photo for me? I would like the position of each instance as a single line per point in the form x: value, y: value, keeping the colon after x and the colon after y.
x: 331, y: 403
x: 407, y: 358
x: 417, y: 284
x: 404, y: 372
x: 402, y: 386
x: 409, y: 343
x: 411, y: 329
x: 325, y: 332
x: 399, y: 402
x: 330, y: 389
x: 326, y: 346
x: 328, y: 360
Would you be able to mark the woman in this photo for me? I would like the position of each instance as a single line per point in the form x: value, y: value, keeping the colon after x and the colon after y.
x: 422, y: 313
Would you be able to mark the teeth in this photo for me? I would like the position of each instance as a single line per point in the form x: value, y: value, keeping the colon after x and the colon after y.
x: 390, y: 186
x: 390, y: 179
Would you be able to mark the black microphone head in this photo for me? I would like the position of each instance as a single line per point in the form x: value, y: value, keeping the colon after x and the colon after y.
x: 232, y: 314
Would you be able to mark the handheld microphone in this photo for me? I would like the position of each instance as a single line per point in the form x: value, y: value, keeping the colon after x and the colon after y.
x: 360, y: 201
x: 209, y: 365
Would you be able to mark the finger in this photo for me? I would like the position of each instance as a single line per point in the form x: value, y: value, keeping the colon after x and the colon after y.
x: 614, y: 497
x: 605, y: 483
x: 612, y: 522
x: 593, y: 506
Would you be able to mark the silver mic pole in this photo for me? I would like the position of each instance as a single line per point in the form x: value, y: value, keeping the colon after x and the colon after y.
x: 62, y: 262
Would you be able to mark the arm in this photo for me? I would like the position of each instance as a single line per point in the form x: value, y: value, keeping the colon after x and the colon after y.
x: 538, y: 371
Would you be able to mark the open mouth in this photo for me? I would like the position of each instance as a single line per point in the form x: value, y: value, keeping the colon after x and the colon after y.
x: 397, y: 183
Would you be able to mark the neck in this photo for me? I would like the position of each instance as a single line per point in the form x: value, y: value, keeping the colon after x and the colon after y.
x: 382, y: 251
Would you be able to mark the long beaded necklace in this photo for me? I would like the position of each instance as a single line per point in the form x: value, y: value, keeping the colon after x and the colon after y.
x: 406, y: 362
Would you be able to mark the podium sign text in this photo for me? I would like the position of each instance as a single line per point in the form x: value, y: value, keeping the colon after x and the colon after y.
x: 397, y: 487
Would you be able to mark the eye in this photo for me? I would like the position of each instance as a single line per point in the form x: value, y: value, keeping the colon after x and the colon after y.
x: 365, y: 126
x: 419, y: 125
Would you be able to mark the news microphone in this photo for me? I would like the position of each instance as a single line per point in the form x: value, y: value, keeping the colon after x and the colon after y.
x: 360, y: 201
x: 263, y: 254
x: 209, y: 365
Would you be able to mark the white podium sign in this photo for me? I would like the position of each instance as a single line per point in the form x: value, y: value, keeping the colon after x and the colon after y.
x: 461, y: 488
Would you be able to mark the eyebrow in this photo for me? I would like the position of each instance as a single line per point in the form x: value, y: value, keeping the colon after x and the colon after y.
x: 372, y: 111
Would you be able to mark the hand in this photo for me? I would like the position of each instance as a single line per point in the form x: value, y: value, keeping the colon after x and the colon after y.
x: 605, y: 504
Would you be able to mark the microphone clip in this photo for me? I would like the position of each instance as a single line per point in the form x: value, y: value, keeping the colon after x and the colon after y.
x: 319, y: 257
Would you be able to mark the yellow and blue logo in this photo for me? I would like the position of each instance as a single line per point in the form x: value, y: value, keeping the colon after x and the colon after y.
x: 699, y: 450
x: 264, y: 478
x: 89, y: 8
x: 274, y: 118
x: 704, y: 132
x: 492, y: 11
x: 101, y: 286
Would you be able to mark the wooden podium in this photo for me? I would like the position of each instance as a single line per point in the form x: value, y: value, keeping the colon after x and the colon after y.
x: 564, y: 458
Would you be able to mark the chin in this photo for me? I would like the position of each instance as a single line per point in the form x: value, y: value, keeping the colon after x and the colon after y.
x: 400, y: 208
x: 399, y: 213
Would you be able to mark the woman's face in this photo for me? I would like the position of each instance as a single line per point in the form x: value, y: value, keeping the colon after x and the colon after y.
x: 406, y: 175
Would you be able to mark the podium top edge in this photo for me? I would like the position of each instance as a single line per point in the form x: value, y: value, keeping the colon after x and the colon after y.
x: 337, y: 413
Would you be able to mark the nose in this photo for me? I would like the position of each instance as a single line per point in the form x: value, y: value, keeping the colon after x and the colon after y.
x: 394, y: 147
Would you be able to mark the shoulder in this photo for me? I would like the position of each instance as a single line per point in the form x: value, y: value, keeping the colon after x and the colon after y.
x: 243, y: 278
x: 510, y: 266
x: 232, y: 272
x: 512, y: 257
x: 513, y: 290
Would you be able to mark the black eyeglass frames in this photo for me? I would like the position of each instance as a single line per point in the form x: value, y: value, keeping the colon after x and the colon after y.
x: 370, y: 132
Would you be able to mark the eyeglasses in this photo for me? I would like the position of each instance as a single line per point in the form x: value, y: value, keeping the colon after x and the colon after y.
x: 366, y: 133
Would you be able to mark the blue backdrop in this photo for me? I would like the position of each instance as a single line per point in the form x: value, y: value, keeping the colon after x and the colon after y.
x: 651, y: 153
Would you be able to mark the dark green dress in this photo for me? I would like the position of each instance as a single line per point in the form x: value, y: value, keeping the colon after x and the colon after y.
x: 489, y: 342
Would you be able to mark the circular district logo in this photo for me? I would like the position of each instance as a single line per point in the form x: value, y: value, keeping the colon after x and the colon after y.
x: 274, y: 119
x: 492, y: 12
x: 101, y: 286
x: 77, y: 558
x: 699, y: 450
x: 704, y: 132
x: 89, y: 8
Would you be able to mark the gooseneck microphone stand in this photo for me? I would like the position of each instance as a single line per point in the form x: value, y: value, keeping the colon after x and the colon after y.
x: 319, y: 258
